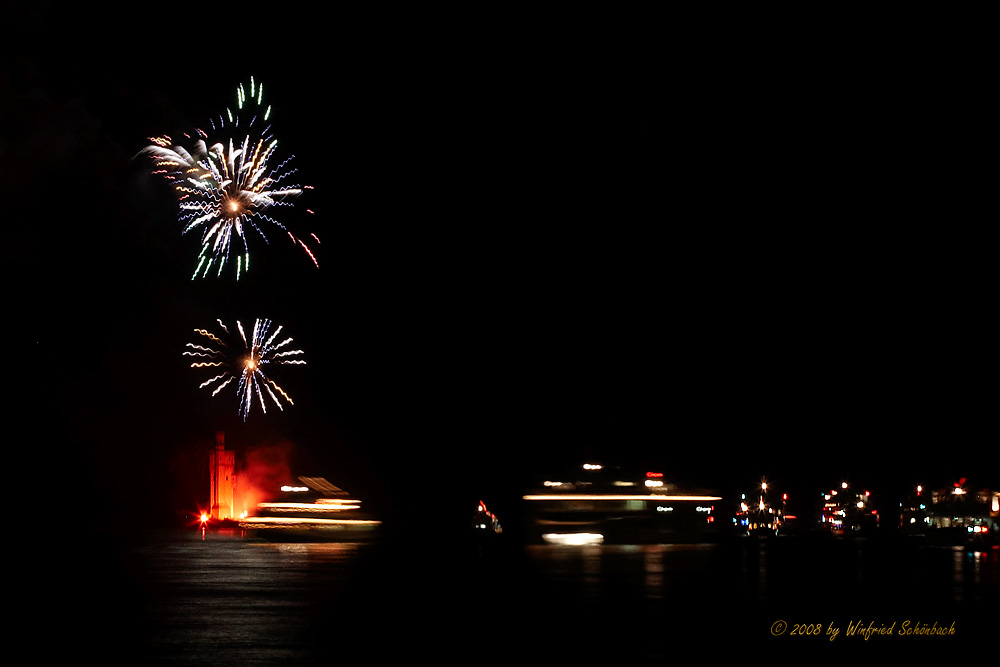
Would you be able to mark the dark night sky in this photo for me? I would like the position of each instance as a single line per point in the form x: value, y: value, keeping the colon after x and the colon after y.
x: 715, y: 257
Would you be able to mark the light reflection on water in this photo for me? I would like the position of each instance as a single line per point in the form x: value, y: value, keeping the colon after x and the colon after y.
x: 707, y: 593
x: 646, y: 571
x: 229, y: 601
x: 759, y: 569
x: 975, y: 572
x: 224, y: 600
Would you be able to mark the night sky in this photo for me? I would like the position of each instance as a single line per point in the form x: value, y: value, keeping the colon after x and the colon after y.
x: 720, y: 258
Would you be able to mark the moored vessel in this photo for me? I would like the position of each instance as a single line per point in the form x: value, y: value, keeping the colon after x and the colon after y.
x: 761, y: 516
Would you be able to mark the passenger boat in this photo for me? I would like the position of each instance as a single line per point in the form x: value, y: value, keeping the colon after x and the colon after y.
x: 600, y: 505
x: 952, y: 516
x: 314, y: 510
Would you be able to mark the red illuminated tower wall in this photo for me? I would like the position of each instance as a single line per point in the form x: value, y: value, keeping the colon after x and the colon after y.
x: 222, y: 471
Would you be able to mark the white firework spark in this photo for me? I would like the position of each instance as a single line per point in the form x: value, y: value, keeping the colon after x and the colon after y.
x: 242, y: 360
x: 229, y: 188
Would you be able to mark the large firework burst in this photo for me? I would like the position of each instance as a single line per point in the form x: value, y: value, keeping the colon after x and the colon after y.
x: 230, y: 187
x: 242, y: 360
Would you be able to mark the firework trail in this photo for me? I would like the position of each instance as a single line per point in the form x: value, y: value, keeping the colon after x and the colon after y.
x: 241, y: 360
x: 232, y: 186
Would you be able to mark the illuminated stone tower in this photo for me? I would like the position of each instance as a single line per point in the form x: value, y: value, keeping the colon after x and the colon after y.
x: 222, y: 469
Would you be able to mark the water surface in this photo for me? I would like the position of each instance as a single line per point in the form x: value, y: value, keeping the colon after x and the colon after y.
x: 220, y: 599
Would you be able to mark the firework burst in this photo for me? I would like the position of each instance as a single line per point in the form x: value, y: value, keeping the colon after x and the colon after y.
x: 232, y: 186
x: 242, y: 360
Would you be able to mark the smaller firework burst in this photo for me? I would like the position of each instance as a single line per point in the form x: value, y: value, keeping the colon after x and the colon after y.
x: 242, y: 361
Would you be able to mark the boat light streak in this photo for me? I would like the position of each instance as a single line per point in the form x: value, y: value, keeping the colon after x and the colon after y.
x: 328, y: 506
x: 264, y: 521
x: 613, y: 496
x: 573, y: 538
